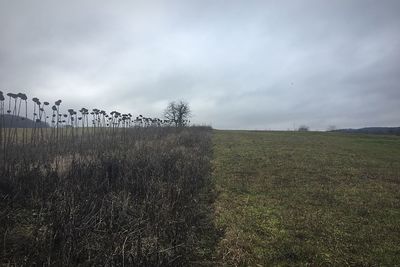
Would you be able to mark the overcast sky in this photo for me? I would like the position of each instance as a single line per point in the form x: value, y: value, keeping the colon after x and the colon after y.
x: 240, y: 64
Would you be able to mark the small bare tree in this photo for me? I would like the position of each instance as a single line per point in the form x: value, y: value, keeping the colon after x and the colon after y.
x: 178, y: 113
x: 331, y: 128
x: 304, y: 128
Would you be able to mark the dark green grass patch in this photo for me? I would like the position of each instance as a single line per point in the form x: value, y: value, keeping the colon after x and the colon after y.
x: 307, y: 198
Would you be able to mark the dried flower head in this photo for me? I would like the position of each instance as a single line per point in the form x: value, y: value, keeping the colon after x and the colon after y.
x: 22, y: 96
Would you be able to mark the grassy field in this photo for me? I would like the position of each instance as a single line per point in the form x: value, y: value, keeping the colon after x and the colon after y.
x: 146, y: 197
x: 288, y: 198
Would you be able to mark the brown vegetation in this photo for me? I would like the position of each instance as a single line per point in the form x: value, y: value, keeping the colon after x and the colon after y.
x: 98, y: 195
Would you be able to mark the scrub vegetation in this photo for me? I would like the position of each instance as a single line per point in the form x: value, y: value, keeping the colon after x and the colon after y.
x: 113, y: 191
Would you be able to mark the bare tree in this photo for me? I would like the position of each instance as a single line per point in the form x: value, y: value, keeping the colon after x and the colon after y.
x: 178, y: 113
x: 304, y: 128
x: 331, y: 128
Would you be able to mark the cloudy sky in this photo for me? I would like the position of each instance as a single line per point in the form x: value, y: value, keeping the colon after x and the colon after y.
x: 240, y: 64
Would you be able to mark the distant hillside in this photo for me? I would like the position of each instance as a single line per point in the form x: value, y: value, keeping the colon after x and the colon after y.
x: 20, y: 122
x: 372, y: 130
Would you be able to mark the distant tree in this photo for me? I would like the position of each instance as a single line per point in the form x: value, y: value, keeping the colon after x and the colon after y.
x: 178, y: 113
x: 331, y: 128
x: 304, y: 128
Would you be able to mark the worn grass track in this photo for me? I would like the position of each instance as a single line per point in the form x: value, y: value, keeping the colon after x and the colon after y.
x: 289, y: 198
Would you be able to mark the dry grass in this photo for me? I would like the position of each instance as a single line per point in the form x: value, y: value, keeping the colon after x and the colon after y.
x: 139, y: 197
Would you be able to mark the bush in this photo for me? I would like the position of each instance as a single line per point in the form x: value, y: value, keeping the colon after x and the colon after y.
x: 303, y: 128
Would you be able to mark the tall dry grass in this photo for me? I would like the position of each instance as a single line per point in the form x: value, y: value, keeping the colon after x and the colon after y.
x: 105, y: 193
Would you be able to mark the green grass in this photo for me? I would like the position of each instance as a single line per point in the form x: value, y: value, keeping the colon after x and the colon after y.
x: 288, y: 198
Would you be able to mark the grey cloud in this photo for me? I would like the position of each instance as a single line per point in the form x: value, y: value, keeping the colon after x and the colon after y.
x: 241, y: 64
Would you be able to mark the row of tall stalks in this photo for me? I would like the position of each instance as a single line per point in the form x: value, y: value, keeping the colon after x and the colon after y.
x: 100, y: 189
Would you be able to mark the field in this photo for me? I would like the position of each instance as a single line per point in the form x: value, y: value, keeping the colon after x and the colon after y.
x: 166, y: 196
x: 291, y: 198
